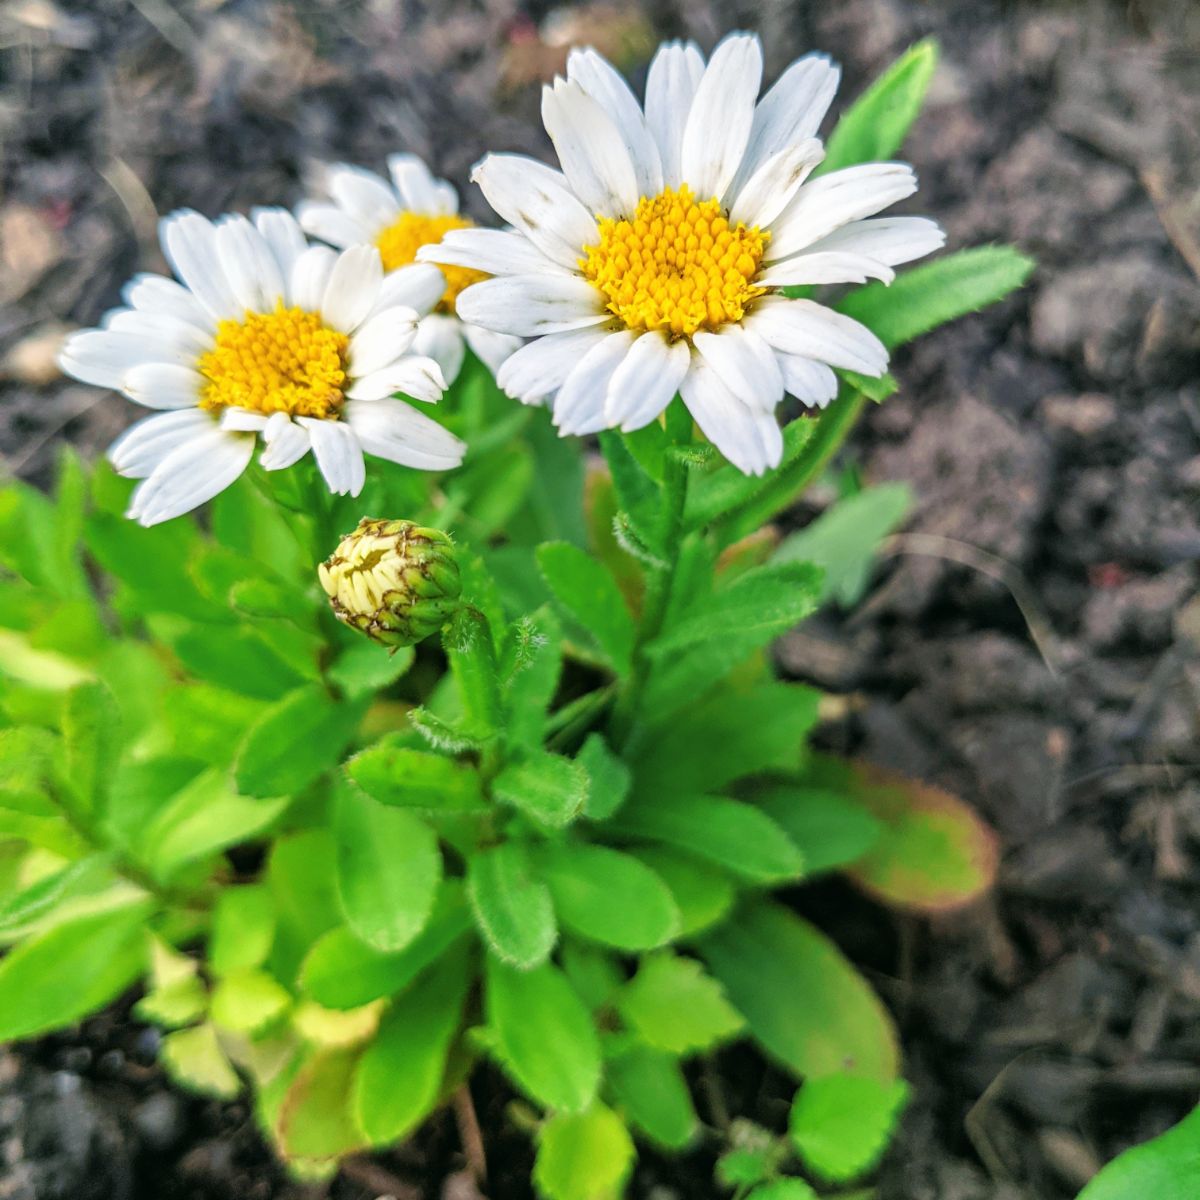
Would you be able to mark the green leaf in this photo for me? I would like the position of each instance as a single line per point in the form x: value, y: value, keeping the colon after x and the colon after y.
x: 730, y: 833
x: 829, y: 829
x: 512, y: 909
x: 544, y: 1034
x: 841, y: 1124
x: 875, y: 126
x: 702, y: 894
x: 784, y: 1189
x: 238, y: 659
x: 609, y: 778
x: 247, y: 1001
x: 583, y: 1156
x: 71, y: 970
x: 638, y: 495
x: 675, y: 1006
x: 388, y: 869
x: 342, y: 972
x: 547, y: 788
x: 294, y: 742
x: 194, y: 1060
x: 399, y: 1079
x: 243, y: 928
x: 844, y: 539
x: 736, y: 732
x: 91, y: 736
x: 315, y: 1121
x: 209, y: 723
x: 933, y: 854
x: 589, y: 594
x: 400, y: 776
x: 364, y: 667
x: 472, y: 654
x: 203, y: 817
x: 608, y: 897
x: 650, y: 1089
x: 533, y: 678
x: 302, y: 878
x: 937, y: 292
x: 1165, y: 1168
x: 21, y: 907
x: 766, y: 957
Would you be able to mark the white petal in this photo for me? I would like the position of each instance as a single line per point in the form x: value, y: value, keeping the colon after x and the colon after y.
x: 418, y: 188
x: 745, y: 364
x: 492, y: 349
x: 191, y: 474
x: 181, y: 340
x: 811, y: 382
x: 722, y: 112
x: 338, y: 453
x: 825, y: 204
x: 791, y: 111
x: 415, y: 376
x: 394, y: 430
x: 538, y: 201
x: 102, y: 356
x: 143, y: 446
x: 827, y: 267
x: 646, y: 381
x: 285, y: 443
x: 538, y: 369
x: 243, y: 420
x: 440, y: 338
x: 748, y: 437
x: 593, y: 155
x: 157, y: 293
x: 190, y: 243
x: 163, y: 385
x: 813, y: 331
x: 530, y: 305
x: 363, y: 195
x: 671, y: 85
x: 889, y: 240
x: 495, y: 251
x: 281, y: 231
x: 352, y: 289
x: 597, y: 77
x: 332, y: 225
x: 771, y: 188
x: 579, y: 404
x: 382, y: 339
x: 249, y: 265
x: 310, y: 274
x: 418, y: 287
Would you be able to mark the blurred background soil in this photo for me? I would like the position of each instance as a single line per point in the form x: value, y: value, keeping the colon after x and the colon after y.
x: 1031, y: 640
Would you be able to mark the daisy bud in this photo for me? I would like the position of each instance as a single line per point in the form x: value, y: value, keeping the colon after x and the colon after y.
x: 392, y: 580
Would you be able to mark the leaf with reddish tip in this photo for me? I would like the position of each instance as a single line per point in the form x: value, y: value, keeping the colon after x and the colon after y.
x: 934, y: 854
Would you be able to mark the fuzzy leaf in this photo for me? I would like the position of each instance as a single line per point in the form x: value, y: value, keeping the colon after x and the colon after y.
x: 512, y: 909
x: 406, y: 778
x: 608, y: 778
x: 875, y: 126
x: 399, y: 1078
x: 937, y: 292
x: 247, y: 1001
x: 590, y: 596
x: 650, y: 1089
x: 583, y: 1156
x: 243, y: 928
x: 534, y: 677
x: 92, y: 740
x: 702, y: 894
x: 609, y: 897
x: 675, y: 1006
x: 548, y: 788
x: 841, y: 1124
x: 388, y: 869
x: 544, y: 1034
x: 767, y: 957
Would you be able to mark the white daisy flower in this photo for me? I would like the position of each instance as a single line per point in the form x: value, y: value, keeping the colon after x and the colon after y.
x: 265, y: 336
x: 652, y: 263
x: 415, y: 210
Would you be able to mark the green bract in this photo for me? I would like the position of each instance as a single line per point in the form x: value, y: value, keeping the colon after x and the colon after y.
x: 342, y: 873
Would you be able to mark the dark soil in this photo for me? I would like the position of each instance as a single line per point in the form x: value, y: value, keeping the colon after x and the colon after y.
x: 1031, y: 641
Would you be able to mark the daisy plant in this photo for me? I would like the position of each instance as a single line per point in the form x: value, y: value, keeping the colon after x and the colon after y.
x: 458, y: 739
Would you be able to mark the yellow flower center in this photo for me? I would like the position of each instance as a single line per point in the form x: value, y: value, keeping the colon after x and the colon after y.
x: 282, y: 361
x: 678, y: 265
x: 399, y: 242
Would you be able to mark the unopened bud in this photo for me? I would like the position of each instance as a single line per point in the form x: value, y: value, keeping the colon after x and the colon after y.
x: 393, y: 580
